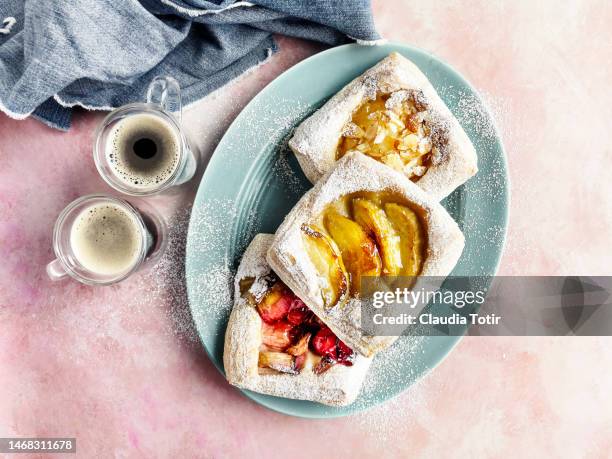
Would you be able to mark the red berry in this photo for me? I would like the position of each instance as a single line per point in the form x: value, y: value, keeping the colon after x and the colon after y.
x: 324, y: 343
x: 345, y: 353
x: 298, y: 312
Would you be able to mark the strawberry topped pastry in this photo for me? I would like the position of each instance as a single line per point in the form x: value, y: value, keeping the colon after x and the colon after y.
x: 274, y: 343
x: 292, y: 334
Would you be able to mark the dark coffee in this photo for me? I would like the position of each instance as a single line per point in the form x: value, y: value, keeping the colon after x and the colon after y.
x: 143, y: 150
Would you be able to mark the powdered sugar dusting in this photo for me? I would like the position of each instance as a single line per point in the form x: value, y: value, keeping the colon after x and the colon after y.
x: 212, y: 286
x: 490, y: 184
x: 390, y: 369
x: 282, y: 166
x: 271, y: 122
x: 164, y: 283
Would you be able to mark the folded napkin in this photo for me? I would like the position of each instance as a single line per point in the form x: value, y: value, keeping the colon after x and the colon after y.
x: 100, y: 54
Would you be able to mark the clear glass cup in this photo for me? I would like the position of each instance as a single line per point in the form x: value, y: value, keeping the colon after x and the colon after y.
x: 149, y: 227
x: 164, y: 103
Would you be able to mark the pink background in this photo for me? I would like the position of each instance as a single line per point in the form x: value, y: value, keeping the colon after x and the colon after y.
x: 121, y: 369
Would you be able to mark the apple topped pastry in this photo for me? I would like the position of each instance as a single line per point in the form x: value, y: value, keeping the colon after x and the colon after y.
x: 361, y: 219
x: 394, y: 115
x: 363, y: 234
x: 393, y: 128
x: 275, y: 344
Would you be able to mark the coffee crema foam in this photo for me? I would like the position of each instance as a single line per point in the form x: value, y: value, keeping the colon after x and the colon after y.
x: 106, y: 239
x: 148, y: 167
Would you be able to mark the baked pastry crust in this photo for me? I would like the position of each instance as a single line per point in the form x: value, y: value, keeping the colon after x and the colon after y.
x: 353, y: 173
x: 316, y: 139
x: 337, y: 386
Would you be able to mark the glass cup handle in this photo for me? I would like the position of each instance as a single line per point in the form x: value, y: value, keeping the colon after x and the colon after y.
x: 56, y: 271
x: 166, y: 92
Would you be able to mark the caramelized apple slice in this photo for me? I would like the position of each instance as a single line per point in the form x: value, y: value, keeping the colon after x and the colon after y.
x: 328, y: 263
x: 278, y: 361
x: 374, y: 220
x: 301, y: 346
x: 300, y: 362
x: 245, y: 284
x: 324, y: 364
x: 412, y: 235
x: 277, y: 336
x: 359, y: 251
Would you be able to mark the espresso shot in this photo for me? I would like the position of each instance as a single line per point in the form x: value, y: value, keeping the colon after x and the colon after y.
x: 143, y: 151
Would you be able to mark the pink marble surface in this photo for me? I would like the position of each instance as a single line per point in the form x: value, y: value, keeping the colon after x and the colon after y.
x: 119, y: 367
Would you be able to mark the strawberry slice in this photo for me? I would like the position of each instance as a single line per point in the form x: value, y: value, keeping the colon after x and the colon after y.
x: 275, y: 305
x: 277, y: 336
x: 324, y: 343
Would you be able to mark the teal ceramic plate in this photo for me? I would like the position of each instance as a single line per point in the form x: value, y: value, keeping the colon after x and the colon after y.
x: 252, y: 182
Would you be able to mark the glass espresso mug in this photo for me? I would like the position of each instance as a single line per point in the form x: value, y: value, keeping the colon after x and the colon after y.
x: 140, y: 149
x: 100, y: 240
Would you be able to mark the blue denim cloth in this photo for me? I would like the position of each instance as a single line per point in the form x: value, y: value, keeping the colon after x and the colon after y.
x: 101, y: 54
